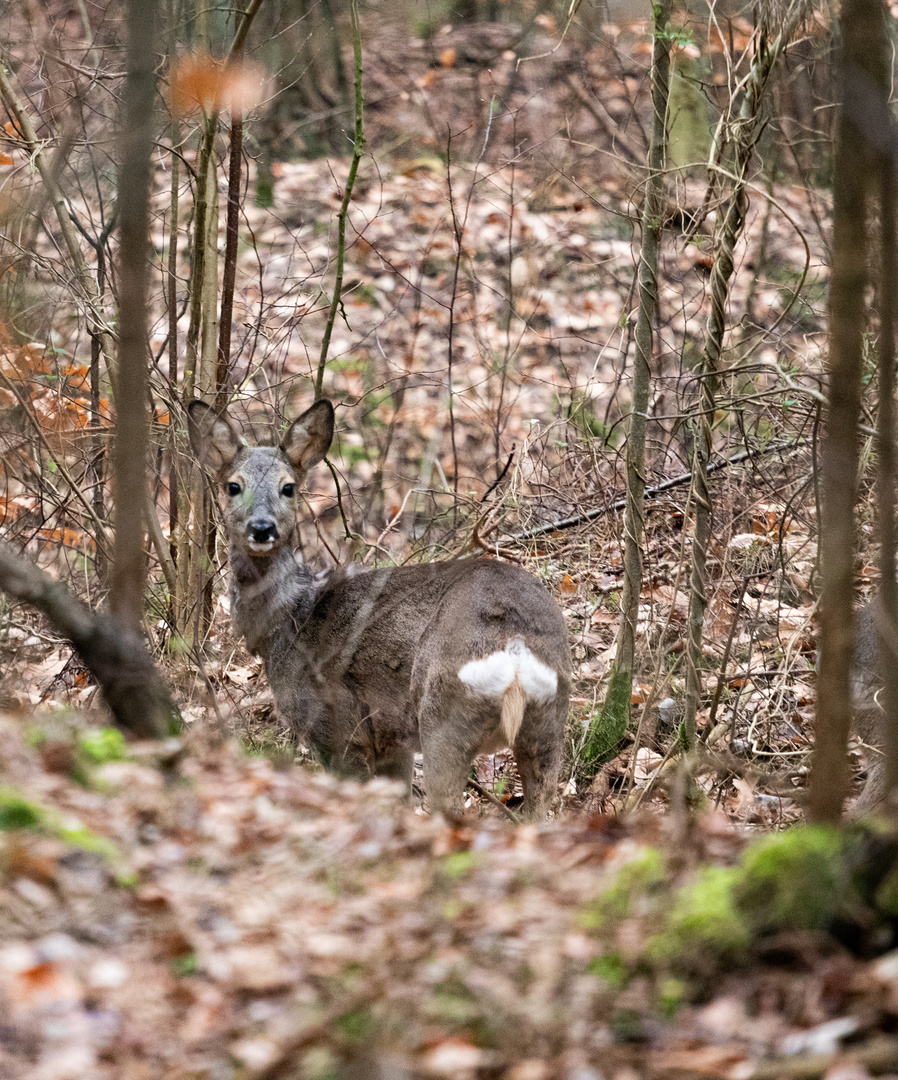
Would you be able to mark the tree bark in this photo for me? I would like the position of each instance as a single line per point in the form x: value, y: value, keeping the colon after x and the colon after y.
x: 128, y: 576
x: 888, y: 592
x: 854, y: 163
x: 610, y: 726
x: 358, y: 147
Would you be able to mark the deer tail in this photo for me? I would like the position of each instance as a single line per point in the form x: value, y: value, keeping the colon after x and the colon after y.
x: 514, y: 701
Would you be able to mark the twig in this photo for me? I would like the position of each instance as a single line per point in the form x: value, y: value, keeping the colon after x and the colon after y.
x: 390, y: 525
x: 157, y: 539
x: 500, y: 477
x: 658, y: 489
x: 725, y: 659
x: 357, y: 150
x: 86, y: 280
x: 490, y: 797
x: 324, y: 542
x: 63, y: 471
x: 229, y: 276
x: 243, y: 29
x: 346, y: 528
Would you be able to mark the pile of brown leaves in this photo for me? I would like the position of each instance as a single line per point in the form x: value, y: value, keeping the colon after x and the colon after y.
x: 196, y: 912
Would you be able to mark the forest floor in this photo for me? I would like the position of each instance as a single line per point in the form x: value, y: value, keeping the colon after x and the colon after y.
x: 185, y: 909
x: 206, y: 909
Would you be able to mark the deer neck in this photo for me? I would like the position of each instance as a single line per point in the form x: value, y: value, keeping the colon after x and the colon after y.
x: 265, y: 593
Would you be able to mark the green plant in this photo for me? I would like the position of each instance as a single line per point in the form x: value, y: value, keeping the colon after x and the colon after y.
x: 100, y: 745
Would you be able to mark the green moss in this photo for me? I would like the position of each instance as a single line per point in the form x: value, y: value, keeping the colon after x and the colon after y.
x: 453, y: 908
x: 460, y: 863
x: 17, y: 813
x: 627, y: 1026
x: 357, y: 1025
x: 611, y: 969
x: 704, y: 918
x: 671, y: 995
x: 795, y: 880
x: 608, y: 727
x: 185, y: 966
x: 886, y: 898
x: 100, y: 745
x: 631, y: 890
x: 79, y: 836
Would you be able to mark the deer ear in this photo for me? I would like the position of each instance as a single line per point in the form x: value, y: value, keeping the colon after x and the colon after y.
x: 309, y: 436
x: 213, y: 439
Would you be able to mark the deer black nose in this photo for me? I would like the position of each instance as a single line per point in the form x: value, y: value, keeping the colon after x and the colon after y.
x: 260, y: 532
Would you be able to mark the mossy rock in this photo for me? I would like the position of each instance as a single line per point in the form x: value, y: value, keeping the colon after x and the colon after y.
x: 705, y: 923
x: 800, y: 879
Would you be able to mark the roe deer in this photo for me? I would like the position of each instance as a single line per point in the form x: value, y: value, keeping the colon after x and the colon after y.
x: 453, y: 659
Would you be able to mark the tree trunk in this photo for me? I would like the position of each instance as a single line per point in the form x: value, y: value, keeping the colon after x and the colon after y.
x: 609, y: 727
x: 854, y: 163
x: 136, y: 143
x: 775, y: 31
x: 888, y: 592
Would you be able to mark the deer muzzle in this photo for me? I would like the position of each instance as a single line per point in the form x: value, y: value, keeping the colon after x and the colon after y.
x: 261, y: 536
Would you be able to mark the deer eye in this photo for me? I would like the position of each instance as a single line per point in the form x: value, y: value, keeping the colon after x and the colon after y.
x: 287, y: 490
x: 234, y: 489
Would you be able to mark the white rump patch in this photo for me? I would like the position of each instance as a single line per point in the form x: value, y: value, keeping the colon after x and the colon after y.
x: 492, y: 675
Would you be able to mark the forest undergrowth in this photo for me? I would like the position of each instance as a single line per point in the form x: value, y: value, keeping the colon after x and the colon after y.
x: 184, y: 909
x: 215, y: 906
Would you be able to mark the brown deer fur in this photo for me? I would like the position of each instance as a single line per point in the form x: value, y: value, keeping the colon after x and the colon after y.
x: 453, y: 659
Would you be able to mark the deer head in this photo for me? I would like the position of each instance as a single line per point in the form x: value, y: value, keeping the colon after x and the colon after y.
x: 258, y: 484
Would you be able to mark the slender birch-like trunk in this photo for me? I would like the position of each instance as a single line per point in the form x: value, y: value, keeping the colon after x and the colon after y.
x: 610, y: 725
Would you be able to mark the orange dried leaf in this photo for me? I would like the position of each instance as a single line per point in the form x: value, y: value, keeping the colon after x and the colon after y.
x: 568, y: 585
x: 208, y: 84
x: 5, y: 159
x: 70, y: 538
x: 448, y: 58
x: 195, y: 83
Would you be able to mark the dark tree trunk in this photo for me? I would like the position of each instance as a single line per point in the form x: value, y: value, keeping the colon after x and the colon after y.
x: 888, y: 594
x: 855, y: 163
x: 136, y: 144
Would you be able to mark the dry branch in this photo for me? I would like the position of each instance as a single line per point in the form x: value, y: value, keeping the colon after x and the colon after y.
x: 89, y: 287
x: 560, y: 524
x: 116, y: 656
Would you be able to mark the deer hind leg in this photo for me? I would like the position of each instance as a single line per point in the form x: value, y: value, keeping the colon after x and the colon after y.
x: 449, y: 743
x: 537, y: 752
